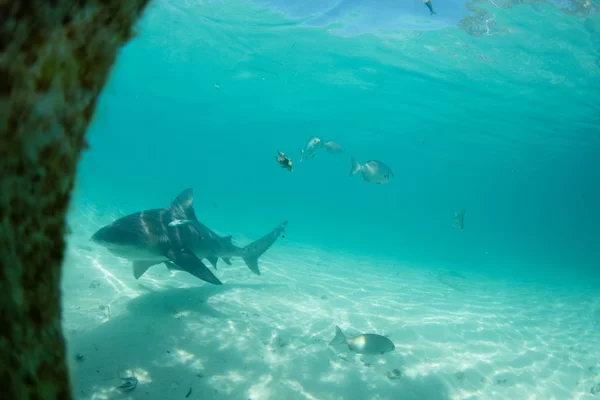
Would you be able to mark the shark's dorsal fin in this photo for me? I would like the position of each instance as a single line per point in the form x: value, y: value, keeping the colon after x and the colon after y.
x: 183, y: 205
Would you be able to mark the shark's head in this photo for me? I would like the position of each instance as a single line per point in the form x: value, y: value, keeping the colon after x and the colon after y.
x: 135, y: 234
x: 151, y: 234
x: 119, y: 241
x: 114, y: 236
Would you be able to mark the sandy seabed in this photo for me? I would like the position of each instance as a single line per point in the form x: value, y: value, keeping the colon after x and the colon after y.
x: 457, y: 335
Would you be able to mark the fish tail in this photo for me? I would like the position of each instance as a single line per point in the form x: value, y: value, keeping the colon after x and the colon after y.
x: 301, y: 155
x: 355, y: 167
x: 339, y: 337
x: 254, y: 250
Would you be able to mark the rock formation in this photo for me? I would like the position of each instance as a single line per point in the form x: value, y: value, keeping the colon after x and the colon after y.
x: 55, y: 57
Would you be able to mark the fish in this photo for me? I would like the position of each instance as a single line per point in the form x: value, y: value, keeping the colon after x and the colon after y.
x: 334, y: 147
x: 212, y: 246
x: 313, y: 145
x: 458, y: 219
x: 161, y: 235
x: 368, y: 343
x: 284, y: 161
x: 430, y: 7
x: 372, y: 171
x: 129, y: 383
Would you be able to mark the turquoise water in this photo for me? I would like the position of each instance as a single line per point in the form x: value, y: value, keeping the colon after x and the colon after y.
x: 493, y: 107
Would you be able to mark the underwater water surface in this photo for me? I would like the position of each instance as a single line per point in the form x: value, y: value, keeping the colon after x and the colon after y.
x: 491, y: 107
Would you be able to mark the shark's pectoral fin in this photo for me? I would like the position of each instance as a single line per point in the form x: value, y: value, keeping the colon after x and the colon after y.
x: 172, y: 267
x: 227, y: 260
x: 213, y: 261
x: 192, y: 264
x: 139, y: 267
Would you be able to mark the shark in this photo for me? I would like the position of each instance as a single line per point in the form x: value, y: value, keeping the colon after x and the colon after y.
x: 173, y: 236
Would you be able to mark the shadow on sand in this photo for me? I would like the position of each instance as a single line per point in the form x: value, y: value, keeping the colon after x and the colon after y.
x: 174, y: 342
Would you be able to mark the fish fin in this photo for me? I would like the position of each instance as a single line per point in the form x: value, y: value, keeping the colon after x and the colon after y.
x: 192, y: 264
x: 339, y: 338
x: 356, y: 167
x: 172, y: 267
x: 254, y: 250
x: 183, y: 205
x: 227, y: 260
x: 139, y: 267
x: 301, y: 155
x: 213, y: 261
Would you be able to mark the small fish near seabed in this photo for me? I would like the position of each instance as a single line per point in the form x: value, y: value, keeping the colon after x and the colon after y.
x: 129, y: 383
x: 368, y: 343
x: 313, y: 145
x: 284, y: 161
x: 458, y: 220
x: 372, y: 171
x: 334, y: 147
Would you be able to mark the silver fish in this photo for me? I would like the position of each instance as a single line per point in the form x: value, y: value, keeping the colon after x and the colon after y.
x: 368, y: 343
x: 313, y: 145
x: 372, y: 171
x: 458, y: 220
x: 334, y: 147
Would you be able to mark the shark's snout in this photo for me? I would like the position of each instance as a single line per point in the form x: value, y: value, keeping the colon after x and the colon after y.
x: 117, y: 236
x: 99, y: 237
x: 109, y: 236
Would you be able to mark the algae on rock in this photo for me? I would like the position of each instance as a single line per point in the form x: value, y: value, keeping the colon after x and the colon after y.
x: 55, y: 57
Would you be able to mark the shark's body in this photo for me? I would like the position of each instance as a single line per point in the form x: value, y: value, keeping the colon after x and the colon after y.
x: 212, y: 246
x: 156, y: 236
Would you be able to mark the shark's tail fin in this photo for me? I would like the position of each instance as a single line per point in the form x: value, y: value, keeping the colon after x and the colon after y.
x: 339, y: 337
x: 355, y: 167
x: 254, y: 250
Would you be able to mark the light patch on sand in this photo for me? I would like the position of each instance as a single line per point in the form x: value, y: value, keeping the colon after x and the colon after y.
x: 261, y: 389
